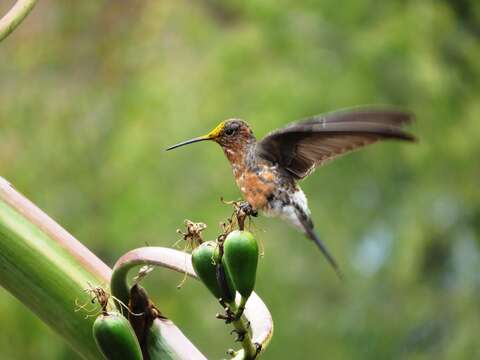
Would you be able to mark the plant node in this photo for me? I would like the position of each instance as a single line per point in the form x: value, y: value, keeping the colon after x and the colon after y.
x: 240, y: 335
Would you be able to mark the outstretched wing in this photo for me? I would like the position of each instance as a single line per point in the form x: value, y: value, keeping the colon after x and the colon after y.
x: 302, y: 146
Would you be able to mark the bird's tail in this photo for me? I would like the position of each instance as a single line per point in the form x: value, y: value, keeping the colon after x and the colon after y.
x: 310, y: 233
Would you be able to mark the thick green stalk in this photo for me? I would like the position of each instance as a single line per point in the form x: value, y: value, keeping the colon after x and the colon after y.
x: 47, y: 269
x: 15, y: 16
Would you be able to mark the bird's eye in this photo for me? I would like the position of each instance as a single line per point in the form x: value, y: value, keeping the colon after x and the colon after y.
x: 230, y: 131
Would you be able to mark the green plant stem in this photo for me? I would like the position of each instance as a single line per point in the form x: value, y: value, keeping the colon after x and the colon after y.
x: 47, y: 269
x: 242, y: 328
x: 256, y: 315
x: 15, y: 16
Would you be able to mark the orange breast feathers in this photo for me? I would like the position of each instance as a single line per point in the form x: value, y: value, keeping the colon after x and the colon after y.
x: 256, y: 188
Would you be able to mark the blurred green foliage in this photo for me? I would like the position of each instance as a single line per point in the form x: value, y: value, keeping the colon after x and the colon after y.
x: 92, y: 92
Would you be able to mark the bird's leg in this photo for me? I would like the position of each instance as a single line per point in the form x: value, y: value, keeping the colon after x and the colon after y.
x: 244, y: 210
x: 247, y: 208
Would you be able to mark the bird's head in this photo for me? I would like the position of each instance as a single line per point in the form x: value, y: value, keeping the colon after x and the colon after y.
x: 232, y: 135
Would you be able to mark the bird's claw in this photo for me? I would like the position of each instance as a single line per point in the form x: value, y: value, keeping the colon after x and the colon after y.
x: 243, y: 210
x: 247, y: 209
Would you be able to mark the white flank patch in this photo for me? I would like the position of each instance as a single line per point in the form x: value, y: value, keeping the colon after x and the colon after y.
x: 300, y: 199
x: 289, y: 213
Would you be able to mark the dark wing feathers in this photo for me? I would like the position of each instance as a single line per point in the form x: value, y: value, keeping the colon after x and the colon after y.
x: 385, y: 116
x: 301, y: 147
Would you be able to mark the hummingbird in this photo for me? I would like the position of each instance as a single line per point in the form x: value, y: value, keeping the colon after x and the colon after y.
x: 268, y: 171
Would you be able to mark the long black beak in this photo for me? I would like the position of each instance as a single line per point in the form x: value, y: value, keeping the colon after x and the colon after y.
x: 191, y: 141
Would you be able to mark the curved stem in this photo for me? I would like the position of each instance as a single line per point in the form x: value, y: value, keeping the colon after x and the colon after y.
x: 166, y: 341
x: 15, y: 16
x: 157, y: 256
x: 257, y: 317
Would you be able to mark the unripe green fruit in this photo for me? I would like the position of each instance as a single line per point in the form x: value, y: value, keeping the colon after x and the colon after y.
x: 240, y: 258
x: 206, y: 262
x: 116, y: 338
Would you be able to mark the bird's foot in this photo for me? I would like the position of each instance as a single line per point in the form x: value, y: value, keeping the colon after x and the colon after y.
x: 247, y: 209
x: 244, y: 210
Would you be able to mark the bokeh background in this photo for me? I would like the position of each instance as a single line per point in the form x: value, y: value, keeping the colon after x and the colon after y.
x: 91, y: 93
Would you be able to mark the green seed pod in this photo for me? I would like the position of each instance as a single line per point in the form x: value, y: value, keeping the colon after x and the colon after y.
x: 240, y: 258
x: 206, y: 262
x: 115, y: 337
